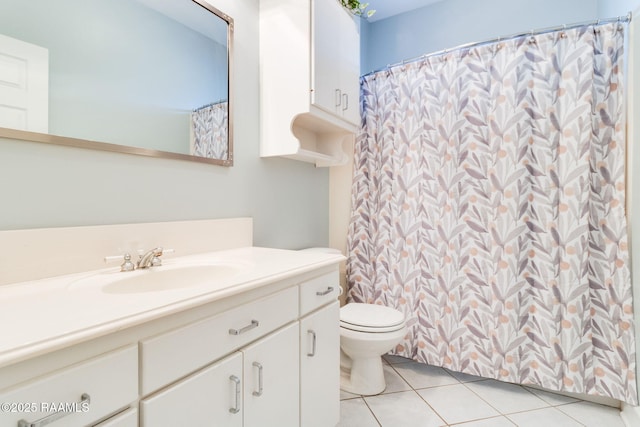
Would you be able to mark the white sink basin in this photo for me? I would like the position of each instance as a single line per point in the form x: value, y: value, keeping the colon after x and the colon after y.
x: 158, y: 279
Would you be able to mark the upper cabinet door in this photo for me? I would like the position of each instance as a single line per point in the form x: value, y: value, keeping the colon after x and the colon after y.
x: 335, y: 60
x: 350, y: 67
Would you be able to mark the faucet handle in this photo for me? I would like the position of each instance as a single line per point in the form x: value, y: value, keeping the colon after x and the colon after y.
x: 127, y: 264
x: 152, y: 258
x: 156, y: 261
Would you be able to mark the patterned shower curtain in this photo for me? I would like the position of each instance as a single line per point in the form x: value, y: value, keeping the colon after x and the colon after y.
x: 209, y: 131
x: 489, y: 206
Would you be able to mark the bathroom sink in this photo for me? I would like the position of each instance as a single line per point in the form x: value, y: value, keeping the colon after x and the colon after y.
x: 157, y: 279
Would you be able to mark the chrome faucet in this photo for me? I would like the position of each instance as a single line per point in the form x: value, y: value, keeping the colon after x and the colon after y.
x: 150, y: 259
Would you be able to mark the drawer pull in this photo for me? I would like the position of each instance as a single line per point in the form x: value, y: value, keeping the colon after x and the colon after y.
x: 84, y: 399
x: 259, y: 392
x: 236, y: 407
x: 313, y: 343
x: 338, y: 97
x: 323, y: 293
x: 254, y: 324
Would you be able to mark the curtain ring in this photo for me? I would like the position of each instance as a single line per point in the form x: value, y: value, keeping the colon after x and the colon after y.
x: 563, y: 34
x: 532, y: 39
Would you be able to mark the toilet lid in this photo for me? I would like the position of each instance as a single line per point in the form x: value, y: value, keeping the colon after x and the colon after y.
x: 370, y: 318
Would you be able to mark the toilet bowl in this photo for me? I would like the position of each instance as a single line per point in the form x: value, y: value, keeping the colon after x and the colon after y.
x: 367, y: 331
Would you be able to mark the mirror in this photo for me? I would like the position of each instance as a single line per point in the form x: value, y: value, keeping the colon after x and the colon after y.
x: 147, y: 77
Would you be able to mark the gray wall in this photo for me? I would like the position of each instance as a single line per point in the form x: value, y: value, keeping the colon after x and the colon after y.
x: 51, y: 186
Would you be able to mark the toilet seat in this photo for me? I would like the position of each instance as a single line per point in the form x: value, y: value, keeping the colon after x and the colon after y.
x: 370, y: 318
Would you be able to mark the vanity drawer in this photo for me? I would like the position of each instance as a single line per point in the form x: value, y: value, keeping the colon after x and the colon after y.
x: 317, y: 292
x: 82, y: 394
x: 201, y: 343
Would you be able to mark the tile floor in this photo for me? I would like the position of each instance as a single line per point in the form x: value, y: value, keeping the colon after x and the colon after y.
x: 419, y: 395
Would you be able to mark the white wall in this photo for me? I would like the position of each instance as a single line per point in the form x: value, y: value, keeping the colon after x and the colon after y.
x: 52, y: 186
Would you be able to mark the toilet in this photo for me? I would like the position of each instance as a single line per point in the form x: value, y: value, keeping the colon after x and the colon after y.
x: 367, y: 331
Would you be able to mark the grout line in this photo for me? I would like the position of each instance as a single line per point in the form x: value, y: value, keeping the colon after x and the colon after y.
x: 422, y: 398
x: 569, y: 415
x: 371, y: 410
x: 483, y: 419
x: 484, y: 400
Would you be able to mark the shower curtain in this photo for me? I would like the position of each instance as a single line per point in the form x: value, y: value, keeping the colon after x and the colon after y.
x: 209, y: 131
x: 488, y: 205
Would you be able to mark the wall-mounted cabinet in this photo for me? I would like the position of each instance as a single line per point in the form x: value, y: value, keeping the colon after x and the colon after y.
x: 309, y: 69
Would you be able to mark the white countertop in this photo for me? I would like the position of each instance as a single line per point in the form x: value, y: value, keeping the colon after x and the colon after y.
x: 41, y: 316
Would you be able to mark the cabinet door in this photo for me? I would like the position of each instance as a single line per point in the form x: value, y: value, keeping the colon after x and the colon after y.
x: 326, y: 21
x: 349, y: 68
x: 272, y: 380
x: 320, y: 367
x: 336, y: 60
x: 210, y: 397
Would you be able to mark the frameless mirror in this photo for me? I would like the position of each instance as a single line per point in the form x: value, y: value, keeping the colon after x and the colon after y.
x: 148, y: 77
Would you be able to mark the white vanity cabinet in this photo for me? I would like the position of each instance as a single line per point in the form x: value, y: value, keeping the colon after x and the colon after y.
x: 79, y: 395
x: 257, y: 386
x: 210, y: 397
x: 267, y: 356
x: 309, y: 67
x: 272, y: 380
x: 128, y: 418
x: 320, y: 352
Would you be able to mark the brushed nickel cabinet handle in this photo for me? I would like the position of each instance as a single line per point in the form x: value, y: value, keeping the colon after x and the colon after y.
x: 323, y: 293
x: 338, y: 97
x: 260, y: 389
x: 254, y: 324
x: 84, y: 399
x: 236, y: 407
x: 313, y: 343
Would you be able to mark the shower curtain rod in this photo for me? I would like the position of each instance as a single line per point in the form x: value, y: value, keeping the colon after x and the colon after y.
x: 211, y: 104
x: 625, y: 18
